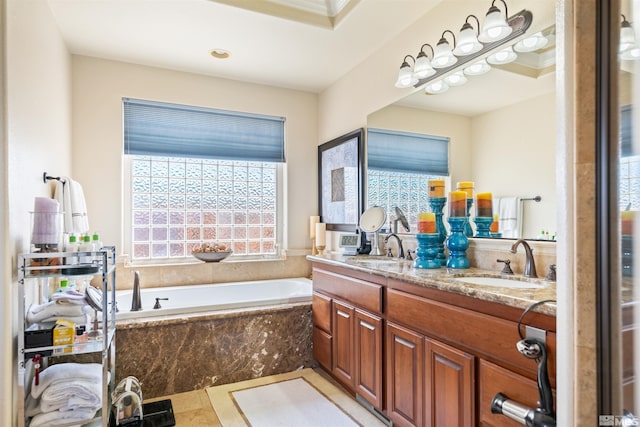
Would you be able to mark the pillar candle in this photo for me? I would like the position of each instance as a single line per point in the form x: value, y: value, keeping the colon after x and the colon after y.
x: 457, y: 204
x: 467, y: 187
x: 436, y: 188
x: 313, y: 220
x: 426, y: 222
x: 484, y: 205
x: 321, y: 231
x: 495, y: 226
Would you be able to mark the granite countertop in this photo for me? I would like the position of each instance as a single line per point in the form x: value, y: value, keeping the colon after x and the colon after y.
x: 449, y: 280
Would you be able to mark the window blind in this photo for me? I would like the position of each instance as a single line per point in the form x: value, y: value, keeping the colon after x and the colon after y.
x: 162, y: 129
x: 407, y: 152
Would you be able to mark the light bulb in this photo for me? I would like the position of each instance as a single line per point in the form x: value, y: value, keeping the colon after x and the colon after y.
x: 436, y: 87
x: 503, y: 56
x: 477, y: 68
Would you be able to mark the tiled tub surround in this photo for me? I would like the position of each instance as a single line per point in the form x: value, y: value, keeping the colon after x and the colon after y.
x: 194, y: 272
x: 179, y: 353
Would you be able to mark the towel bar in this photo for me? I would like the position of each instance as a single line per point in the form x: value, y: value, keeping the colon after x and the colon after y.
x: 537, y: 199
x: 46, y: 178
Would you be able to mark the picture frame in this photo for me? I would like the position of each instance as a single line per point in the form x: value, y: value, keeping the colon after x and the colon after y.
x: 341, y: 181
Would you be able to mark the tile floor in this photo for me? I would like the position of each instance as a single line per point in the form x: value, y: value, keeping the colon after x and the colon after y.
x: 192, y: 409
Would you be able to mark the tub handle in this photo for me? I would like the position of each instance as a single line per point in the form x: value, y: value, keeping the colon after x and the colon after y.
x: 157, y: 304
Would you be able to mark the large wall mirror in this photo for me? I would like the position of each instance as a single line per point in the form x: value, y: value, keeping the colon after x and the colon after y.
x: 501, y: 128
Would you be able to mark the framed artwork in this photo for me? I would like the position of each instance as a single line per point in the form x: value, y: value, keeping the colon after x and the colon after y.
x: 341, y: 181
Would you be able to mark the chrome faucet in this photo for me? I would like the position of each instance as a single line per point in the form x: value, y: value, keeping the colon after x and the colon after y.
x: 400, y: 250
x: 136, y: 300
x: 530, y: 264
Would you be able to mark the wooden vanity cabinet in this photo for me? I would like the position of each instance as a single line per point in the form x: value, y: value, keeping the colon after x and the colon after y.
x: 445, y: 355
x: 349, y: 337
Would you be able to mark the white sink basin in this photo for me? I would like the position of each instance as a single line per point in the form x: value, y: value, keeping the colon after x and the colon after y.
x: 500, y: 282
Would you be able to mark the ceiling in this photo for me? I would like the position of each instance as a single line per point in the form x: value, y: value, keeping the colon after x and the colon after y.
x: 299, y: 44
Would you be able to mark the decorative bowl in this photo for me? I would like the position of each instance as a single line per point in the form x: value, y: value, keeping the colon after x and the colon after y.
x: 211, y: 256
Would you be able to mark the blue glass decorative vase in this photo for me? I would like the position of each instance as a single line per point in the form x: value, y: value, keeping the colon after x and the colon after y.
x: 468, y: 231
x: 437, y: 206
x: 427, y: 251
x: 483, y: 224
x: 457, y: 243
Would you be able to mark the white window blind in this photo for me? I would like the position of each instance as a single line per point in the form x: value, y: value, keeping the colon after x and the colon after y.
x: 172, y: 130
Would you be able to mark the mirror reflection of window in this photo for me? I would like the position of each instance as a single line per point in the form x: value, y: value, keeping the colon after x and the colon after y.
x: 400, y: 165
x: 629, y: 202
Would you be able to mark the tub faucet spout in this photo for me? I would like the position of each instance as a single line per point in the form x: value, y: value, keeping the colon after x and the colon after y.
x: 530, y: 264
x: 136, y: 300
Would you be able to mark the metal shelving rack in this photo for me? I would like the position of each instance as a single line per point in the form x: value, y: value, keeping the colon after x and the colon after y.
x: 104, y: 265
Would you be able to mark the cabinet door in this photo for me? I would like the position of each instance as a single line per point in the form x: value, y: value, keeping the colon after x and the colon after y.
x: 368, y: 346
x: 342, y: 337
x: 322, y: 347
x: 493, y: 379
x: 449, y: 386
x: 405, y: 360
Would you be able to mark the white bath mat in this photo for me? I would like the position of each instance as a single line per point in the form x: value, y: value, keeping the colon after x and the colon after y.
x: 297, y: 399
x: 293, y: 403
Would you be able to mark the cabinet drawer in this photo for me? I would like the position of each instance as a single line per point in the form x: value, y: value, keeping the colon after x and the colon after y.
x: 322, y: 347
x: 321, y: 307
x: 487, y: 336
x: 363, y: 294
x: 494, y: 379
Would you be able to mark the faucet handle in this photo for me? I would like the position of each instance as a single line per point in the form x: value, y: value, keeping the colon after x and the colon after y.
x: 408, y: 257
x: 551, y: 276
x: 507, y: 266
x: 389, y: 253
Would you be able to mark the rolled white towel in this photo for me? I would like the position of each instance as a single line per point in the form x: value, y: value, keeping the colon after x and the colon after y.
x: 61, y: 372
x: 71, y: 297
x: 62, y: 417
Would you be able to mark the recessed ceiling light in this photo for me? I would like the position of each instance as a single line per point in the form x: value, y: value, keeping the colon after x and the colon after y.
x: 220, y: 53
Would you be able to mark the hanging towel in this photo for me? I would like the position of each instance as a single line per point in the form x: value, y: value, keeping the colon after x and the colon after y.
x: 510, y: 217
x: 70, y: 195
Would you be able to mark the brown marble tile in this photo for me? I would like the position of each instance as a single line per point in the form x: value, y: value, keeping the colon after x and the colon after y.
x: 177, y: 357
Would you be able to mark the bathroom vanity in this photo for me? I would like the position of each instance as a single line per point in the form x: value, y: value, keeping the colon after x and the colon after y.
x: 423, y: 347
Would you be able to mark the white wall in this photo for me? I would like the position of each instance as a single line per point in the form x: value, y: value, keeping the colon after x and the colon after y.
x: 98, y: 88
x: 38, y: 114
x: 370, y: 86
x: 514, y: 154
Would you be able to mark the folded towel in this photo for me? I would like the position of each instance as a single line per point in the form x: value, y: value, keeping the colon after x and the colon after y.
x: 62, y: 417
x: 55, y: 310
x: 72, y: 297
x: 71, y: 395
x: 509, y: 217
x: 63, y: 372
x: 73, y: 205
x: 46, y: 227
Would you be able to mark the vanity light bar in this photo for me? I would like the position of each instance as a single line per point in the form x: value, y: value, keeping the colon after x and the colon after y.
x: 520, y: 23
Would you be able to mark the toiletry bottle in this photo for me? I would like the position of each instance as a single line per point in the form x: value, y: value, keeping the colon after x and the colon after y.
x: 64, y: 283
x: 87, y: 246
x: 97, y: 244
x: 71, y: 246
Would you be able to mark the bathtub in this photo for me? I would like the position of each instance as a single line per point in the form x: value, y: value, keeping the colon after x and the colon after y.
x: 214, y: 297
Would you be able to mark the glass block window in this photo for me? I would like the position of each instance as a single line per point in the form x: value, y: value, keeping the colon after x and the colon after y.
x: 200, y: 175
x: 178, y: 203
x: 408, y: 191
